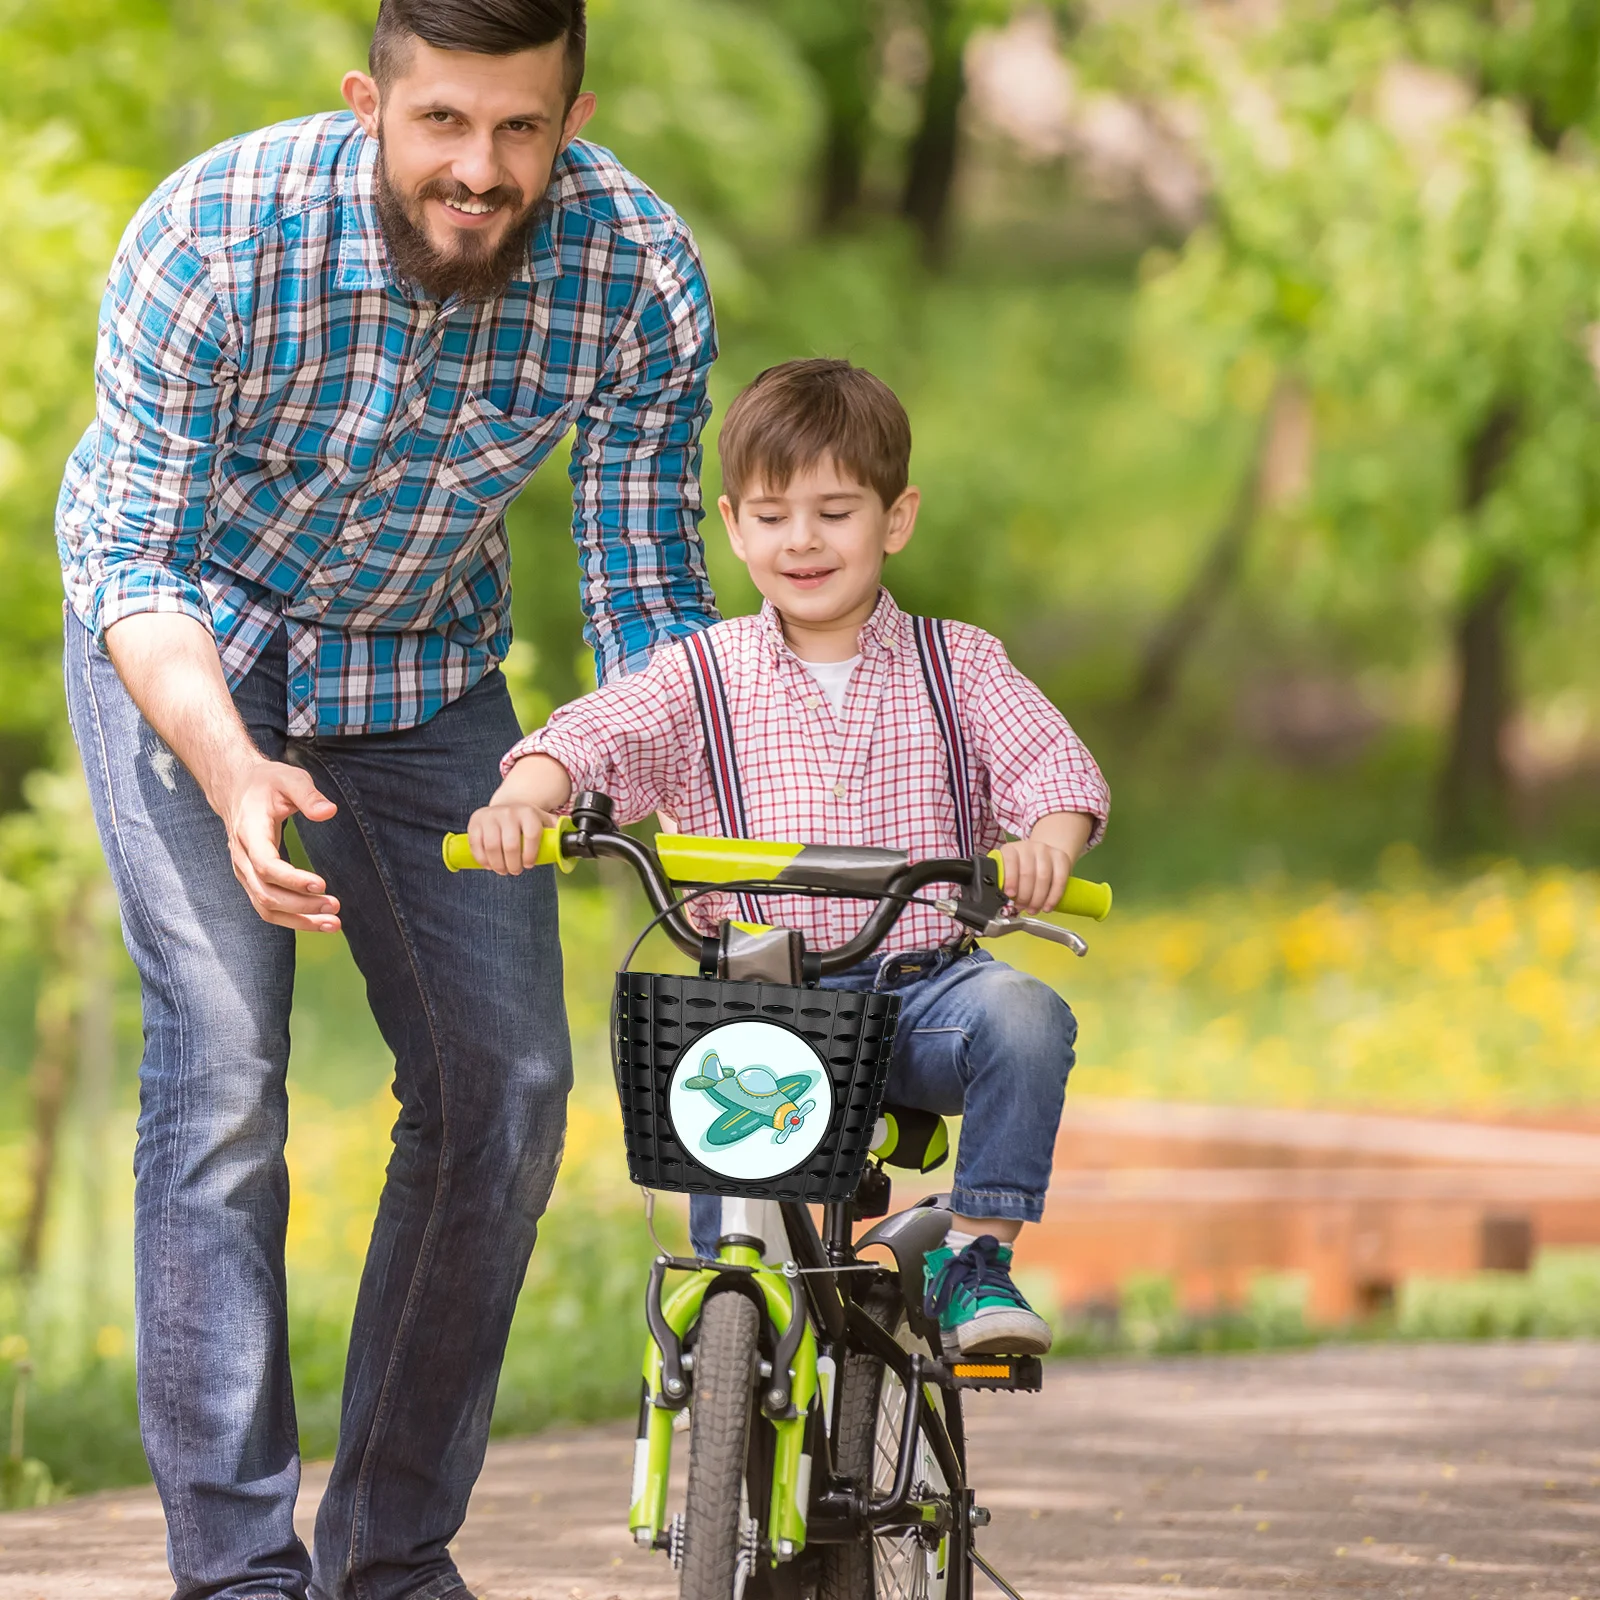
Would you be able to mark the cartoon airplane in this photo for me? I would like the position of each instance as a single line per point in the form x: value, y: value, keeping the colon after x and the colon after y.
x: 752, y: 1099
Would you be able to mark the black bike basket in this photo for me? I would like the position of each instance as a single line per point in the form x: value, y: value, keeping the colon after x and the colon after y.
x: 822, y: 1054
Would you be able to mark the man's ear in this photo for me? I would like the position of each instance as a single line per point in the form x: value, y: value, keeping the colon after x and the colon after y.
x: 578, y: 113
x: 902, y: 520
x: 360, y: 93
x: 730, y: 520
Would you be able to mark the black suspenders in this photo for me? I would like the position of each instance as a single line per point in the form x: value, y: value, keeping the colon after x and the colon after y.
x: 711, y: 698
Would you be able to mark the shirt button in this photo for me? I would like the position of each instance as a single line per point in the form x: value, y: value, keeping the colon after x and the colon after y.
x: 812, y: 702
x: 838, y: 791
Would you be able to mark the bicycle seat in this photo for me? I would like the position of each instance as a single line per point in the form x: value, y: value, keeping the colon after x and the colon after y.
x: 907, y: 1137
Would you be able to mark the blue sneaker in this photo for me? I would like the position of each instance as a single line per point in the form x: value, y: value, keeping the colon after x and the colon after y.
x: 980, y: 1311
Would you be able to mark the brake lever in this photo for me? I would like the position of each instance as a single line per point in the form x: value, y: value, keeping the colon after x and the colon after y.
x: 999, y: 927
x: 1039, y: 928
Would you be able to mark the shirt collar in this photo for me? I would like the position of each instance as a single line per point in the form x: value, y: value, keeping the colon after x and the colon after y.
x: 881, y: 631
x: 883, y: 626
x: 364, y: 257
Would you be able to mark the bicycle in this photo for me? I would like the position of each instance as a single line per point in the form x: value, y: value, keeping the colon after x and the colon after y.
x: 827, y: 1456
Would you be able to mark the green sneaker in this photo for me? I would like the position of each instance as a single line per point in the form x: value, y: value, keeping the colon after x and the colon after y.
x: 979, y: 1309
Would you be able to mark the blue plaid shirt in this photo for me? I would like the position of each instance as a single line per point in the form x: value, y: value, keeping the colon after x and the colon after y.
x: 288, y: 435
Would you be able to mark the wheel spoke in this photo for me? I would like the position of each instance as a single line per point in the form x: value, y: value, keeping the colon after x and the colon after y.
x: 901, y: 1567
x: 886, y: 1439
x: 900, y: 1560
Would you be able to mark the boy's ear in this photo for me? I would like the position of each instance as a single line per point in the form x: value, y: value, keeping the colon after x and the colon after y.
x: 902, y: 520
x: 730, y: 520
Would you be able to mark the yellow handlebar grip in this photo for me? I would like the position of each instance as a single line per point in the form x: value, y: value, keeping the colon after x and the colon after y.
x: 1085, y: 899
x: 1082, y: 898
x: 458, y: 856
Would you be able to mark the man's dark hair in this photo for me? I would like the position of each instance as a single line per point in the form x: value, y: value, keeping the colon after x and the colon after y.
x: 484, y: 27
x: 796, y: 415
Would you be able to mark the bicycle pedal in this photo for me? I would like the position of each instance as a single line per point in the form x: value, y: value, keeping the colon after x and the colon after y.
x: 1022, y: 1373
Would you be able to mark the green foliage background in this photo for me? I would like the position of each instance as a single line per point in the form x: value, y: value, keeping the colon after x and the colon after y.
x: 1087, y: 376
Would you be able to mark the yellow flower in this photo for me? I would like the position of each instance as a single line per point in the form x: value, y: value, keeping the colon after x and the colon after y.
x: 1539, y: 995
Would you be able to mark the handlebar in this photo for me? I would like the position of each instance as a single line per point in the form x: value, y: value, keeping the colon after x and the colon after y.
x: 888, y: 876
x: 688, y: 859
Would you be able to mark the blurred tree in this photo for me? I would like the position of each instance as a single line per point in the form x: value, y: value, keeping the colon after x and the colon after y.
x: 1271, y: 476
x: 712, y: 104
x: 1543, y: 54
x: 931, y: 162
x: 933, y: 157
x: 840, y: 42
x: 55, y: 901
x: 1430, y: 269
x: 59, y: 215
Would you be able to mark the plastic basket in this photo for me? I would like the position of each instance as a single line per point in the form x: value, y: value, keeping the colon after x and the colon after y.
x: 757, y: 1090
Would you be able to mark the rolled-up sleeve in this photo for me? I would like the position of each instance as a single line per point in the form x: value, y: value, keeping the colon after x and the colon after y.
x: 165, y: 384
x: 633, y: 739
x: 1036, y: 764
x: 636, y: 472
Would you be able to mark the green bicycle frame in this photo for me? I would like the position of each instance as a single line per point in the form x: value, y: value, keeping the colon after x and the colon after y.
x: 791, y: 1469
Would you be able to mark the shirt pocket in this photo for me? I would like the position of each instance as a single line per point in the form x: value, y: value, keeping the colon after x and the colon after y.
x: 491, y: 454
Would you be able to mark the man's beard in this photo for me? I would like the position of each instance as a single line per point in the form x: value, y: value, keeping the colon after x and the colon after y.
x: 475, y: 269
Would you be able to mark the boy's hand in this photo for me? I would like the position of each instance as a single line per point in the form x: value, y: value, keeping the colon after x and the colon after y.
x: 1037, y: 868
x: 1035, y: 873
x: 505, y: 834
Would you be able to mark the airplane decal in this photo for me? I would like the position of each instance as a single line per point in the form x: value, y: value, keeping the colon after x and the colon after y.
x: 752, y: 1098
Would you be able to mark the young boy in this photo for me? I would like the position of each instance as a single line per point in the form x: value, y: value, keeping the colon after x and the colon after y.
x: 836, y: 740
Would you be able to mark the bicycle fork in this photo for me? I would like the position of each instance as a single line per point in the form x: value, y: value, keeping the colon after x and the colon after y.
x: 789, y: 1388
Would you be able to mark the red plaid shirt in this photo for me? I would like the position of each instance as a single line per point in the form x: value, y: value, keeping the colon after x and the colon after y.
x: 875, y: 777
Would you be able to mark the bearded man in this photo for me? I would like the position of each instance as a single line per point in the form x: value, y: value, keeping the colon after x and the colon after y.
x: 331, y: 352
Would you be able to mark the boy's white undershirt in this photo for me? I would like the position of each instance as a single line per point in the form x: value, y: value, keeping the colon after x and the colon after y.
x: 833, y: 677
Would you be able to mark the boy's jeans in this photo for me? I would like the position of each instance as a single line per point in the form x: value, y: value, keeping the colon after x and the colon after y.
x: 979, y: 1040
x: 463, y: 975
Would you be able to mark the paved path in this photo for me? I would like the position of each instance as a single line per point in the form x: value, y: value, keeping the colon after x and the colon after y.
x: 1443, y: 1472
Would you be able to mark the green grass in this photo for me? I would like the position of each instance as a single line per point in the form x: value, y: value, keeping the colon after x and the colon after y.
x: 1558, y: 1299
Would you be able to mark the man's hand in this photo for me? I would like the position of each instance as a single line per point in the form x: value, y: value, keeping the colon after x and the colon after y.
x: 1036, y: 869
x: 254, y: 812
x: 171, y: 669
x: 505, y: 833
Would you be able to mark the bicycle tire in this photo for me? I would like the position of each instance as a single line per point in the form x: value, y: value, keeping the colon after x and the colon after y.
x: 882, y: 1567
x: 719, y: 1437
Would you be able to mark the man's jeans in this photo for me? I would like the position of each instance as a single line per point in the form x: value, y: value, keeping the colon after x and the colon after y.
x: 978, y: 1040
x: 463, y: 974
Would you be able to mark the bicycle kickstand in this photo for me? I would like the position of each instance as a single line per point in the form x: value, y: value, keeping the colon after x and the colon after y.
x: 993, y: 1576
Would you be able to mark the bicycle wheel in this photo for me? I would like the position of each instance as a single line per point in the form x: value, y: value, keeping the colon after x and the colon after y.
x: 715, y: 1513
x: 894, y: 1564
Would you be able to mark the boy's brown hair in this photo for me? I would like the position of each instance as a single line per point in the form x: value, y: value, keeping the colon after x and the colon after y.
x: 795, y: 415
